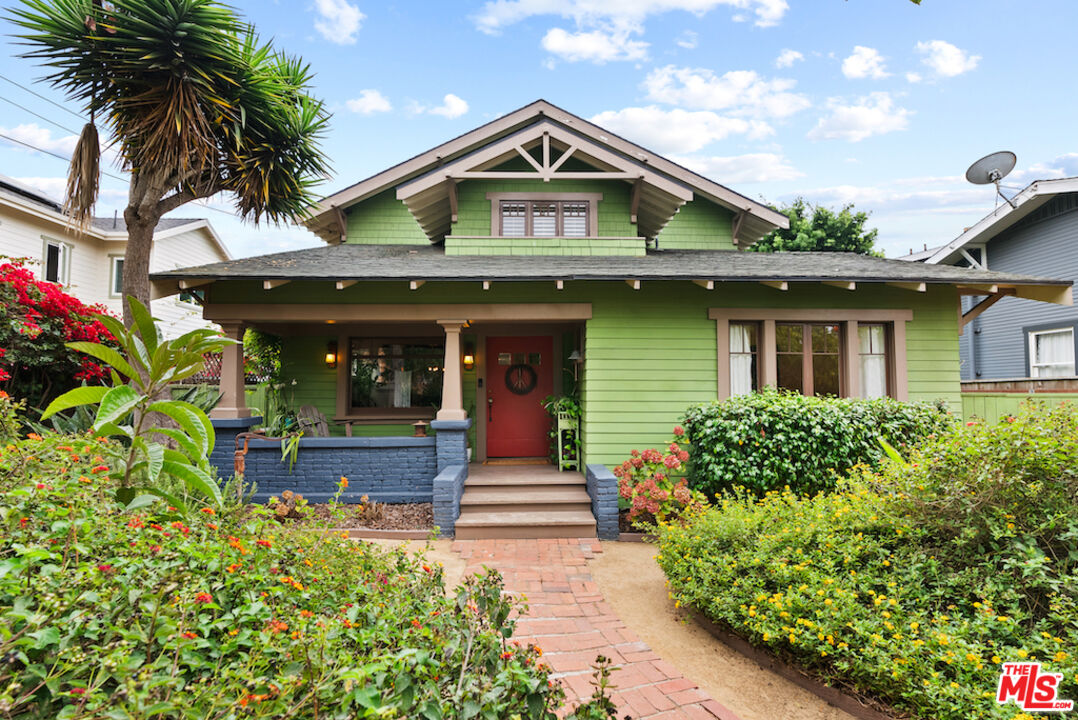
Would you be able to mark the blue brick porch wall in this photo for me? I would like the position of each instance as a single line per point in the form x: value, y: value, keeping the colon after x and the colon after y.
x: 448, y: 489
x: 603, y: 489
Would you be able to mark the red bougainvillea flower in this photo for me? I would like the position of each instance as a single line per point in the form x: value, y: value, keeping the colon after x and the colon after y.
x: 40, y: 486
x: 263, y: 543
x: 678, y: 430
x: 203, y: 598
x: 78, y: 691
x: 105, y: 569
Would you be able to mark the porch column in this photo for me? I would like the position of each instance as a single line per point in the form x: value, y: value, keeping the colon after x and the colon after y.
x: 452, y: 388
x: 233, y: 402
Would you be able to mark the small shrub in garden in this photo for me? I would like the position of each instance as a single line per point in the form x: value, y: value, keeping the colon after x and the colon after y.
x: 650, y: 485
x: 771, y: 439
x: 912, y: 584
x: 108, y: 613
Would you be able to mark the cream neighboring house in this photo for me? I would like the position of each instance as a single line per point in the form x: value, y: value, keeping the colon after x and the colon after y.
x: 90, y: 264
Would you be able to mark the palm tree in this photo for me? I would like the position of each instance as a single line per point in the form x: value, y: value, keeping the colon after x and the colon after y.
x: 196, y: 105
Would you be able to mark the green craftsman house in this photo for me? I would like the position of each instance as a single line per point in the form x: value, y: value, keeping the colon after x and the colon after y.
x: 542, y: 255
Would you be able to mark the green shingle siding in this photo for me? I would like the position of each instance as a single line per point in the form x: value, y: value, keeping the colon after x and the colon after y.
x: 545, y: 246
x: 699, y: 225
x: 383, y: 220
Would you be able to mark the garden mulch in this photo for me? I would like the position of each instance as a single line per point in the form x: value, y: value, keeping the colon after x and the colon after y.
x: 569, y: 618
x: 404, y: 516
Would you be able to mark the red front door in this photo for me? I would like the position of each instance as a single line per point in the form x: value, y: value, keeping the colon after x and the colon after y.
x: 520, y: 376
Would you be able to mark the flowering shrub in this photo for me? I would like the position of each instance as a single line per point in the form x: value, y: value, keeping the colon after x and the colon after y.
x: 770, y: 439
x: 911, y: 584
x: 649, y: 486
x: 106, y: 613
x: 36, y: 319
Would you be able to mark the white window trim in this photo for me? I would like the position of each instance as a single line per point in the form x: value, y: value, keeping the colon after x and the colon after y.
x: 66, y: 249
x: 1031, y: 339
x: 112, y: 276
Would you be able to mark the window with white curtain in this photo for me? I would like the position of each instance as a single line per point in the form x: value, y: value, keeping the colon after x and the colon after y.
x: 743, y: 357
x: 1051, y: 353
x: 872, y: 342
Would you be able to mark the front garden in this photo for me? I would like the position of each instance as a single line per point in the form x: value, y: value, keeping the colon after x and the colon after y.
x: 907, y: 579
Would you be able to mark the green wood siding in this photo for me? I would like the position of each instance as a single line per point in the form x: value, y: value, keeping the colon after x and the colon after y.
x: 383, y: 220
x: 649, y: 354
x: 473, y: 208
x: 991, y: 406
x: 699, y: 225
x: 544, y: 246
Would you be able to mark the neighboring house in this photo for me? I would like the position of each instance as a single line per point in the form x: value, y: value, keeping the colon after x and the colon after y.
x: 90, y: 264
x: 539, y: 255
x: 1013, y: 338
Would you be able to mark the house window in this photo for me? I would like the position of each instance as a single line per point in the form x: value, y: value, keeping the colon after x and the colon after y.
x: 57, y: 262
x: 116, y: 277
x: 193, y: 297
x: 744, y: 356
x: 545, y: 218
x: 872, y: 355
x: 396, y: 376
x: 808, y: 357
x: 1051, y: 353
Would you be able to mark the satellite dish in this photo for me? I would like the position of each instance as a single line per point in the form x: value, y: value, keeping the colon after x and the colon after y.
x: 990, y: 169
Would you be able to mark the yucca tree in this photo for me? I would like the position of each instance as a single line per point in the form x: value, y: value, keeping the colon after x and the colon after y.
x: 191, y: 100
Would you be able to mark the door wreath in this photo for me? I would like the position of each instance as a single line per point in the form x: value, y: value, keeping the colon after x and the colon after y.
x: 520, y: 379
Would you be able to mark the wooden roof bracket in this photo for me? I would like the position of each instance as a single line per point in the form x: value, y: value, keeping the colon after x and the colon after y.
x: 973, y: 312
x: 638, y: 185
x: 342, y: 223
x: 451, y: 187
x: 736, y: 231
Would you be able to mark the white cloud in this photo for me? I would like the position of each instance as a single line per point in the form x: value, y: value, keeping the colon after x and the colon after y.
x: 945, y: 59
x: 39, y: 137
x: 452, y: 107
x: 787, y: 58
x: 741, y: 92
x: 596, y: 46
x: 914, y: 78
x: 369, y: 102
x: 688, y: 40
x: 338, y: 21
x: 499, y: 14
x: 741, y: 169
x: 676, y: 131
x: 1058, y: 167
x: 865, y: 62
x: 875, y: 114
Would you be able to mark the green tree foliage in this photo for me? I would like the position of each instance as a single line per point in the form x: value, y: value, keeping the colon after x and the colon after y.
x: 196, y: 105
x: 148, y: 365
x: 814, y: 227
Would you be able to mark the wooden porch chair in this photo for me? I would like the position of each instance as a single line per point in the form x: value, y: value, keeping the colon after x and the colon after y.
x: 312, y: 422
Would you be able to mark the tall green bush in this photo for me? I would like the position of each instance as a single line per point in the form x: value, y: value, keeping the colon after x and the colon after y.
x: 773, y: 439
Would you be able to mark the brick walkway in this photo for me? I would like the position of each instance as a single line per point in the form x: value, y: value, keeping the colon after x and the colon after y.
x: 569, y: 619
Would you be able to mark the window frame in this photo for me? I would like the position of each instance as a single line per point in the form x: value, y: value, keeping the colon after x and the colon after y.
x: 1030, y: 334
x: 64, y: 268
x: 808, y: 354
x: 388, y: 414
x: 849, y: 355
x: 757, y: 379
x: 528, y: 198
x: 113, y: 276
x: 888, y: 355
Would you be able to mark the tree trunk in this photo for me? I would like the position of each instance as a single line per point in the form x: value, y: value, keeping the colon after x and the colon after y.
x: 136, y: 277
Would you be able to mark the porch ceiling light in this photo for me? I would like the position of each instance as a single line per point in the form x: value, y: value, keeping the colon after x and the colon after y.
x: 331, y: 354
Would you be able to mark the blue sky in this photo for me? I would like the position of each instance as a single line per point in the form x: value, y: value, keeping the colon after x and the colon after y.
x: 881, y: 103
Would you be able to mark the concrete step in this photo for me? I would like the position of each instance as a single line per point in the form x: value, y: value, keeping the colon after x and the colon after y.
x: 513, y: 494
x: 474, y: 524
x: 546, y: 478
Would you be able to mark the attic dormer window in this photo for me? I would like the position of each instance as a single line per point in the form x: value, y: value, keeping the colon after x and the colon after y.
x: 564, y: 215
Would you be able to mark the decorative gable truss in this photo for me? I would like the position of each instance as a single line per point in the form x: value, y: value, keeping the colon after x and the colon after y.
x: 546, y: 147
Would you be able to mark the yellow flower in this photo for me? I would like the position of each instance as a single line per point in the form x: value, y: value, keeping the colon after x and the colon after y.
x: 1060, y: 656
x: 1022, y: 653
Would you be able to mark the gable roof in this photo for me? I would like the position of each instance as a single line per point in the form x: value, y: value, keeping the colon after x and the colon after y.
x: 1005, y: 216
x: 756, y: 218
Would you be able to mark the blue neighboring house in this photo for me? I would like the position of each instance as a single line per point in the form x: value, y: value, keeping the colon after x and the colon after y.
x: 1009, y: 338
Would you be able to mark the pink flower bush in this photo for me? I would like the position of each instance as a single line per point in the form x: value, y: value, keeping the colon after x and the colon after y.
x: 647, y: 485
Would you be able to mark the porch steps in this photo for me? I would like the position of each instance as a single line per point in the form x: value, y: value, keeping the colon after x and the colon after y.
x: 524, y: 502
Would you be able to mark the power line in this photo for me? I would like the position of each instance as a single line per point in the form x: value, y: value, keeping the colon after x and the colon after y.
x: 103, y: 172
x: 37, y: 94
x: 42, y: 117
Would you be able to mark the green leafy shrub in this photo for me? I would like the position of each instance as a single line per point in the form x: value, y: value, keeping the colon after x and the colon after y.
x: 912, y: 584
x: 770, y: 440
x: 108, y: 613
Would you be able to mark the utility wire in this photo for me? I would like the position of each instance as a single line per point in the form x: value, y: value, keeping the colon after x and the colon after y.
x: 37, y: 94
x: 41, y: 117
x: 103, y: 172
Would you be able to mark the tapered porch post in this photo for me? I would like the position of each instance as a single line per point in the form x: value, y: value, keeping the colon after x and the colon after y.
x: 233, y: 402
x: 452, y: 392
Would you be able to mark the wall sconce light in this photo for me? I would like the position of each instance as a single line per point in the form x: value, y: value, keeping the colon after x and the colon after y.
x: 469, y: 356
x: 331, y: 354
x: 577, y: 360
